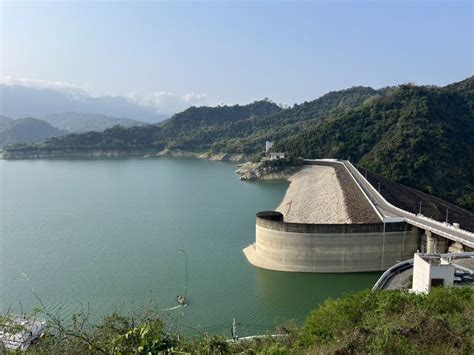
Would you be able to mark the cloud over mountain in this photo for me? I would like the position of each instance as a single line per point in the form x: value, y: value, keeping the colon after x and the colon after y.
x: 21, y: 97
x: 165, y: 101
x: 59, y: 86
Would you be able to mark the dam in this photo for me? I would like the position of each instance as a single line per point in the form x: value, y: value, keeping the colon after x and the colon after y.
x: 303, y: 247
x: 351, y: 231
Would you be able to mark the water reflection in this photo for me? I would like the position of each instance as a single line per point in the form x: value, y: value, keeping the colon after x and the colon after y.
x: 278, y: 292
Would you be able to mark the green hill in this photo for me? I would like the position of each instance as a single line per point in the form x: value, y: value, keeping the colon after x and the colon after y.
x: 422, y: 137
x: 195, y: 129
x: 249, y: 135
x: 230, y: 129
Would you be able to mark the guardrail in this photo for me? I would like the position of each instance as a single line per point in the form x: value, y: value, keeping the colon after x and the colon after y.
x: 355, y: 181
x: 404, y: 265
x: 391, y: 272
x: 446, y: 225
x: 413, y: 216
x: 408, y: 216
x: 374, y: 190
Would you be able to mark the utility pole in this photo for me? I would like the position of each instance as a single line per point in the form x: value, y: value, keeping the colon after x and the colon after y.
x: 383, y: 247
x: 379, y: 186
x: 419, y: 211
x: 447, y: 212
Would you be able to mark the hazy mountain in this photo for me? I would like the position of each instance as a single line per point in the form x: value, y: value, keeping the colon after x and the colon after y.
x: 20, y: 101
x: 4, y: 121
x: 75, y: 122
x: 26, y: 130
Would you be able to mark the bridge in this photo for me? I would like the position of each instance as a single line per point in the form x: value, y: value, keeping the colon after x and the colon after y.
x: 389, y: 213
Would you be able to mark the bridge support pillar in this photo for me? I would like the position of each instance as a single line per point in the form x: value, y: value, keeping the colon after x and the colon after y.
x: 435, y: 244
x: 456, y: 247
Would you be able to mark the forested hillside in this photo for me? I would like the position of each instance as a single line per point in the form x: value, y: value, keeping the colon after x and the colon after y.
x: 249, y: 135
x: 421, y: 136
x: 230, y: 129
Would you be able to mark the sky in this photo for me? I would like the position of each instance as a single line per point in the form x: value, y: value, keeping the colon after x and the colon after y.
x: 211, y: 52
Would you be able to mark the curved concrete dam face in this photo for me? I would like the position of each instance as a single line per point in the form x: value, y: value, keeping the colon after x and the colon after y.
x: 328, y: 248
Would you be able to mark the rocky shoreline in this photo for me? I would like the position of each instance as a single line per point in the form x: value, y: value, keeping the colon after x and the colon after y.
x: 247, y: 170
x: 17, y: 154
x: 257, y: 171
x: 177, y: 153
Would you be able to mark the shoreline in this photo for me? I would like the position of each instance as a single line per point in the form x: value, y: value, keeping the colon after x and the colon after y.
x: 246, y: 169
x: 39, y: 153
x: 250, y: 171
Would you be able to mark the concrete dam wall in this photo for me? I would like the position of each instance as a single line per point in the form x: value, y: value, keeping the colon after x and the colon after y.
x: 328, y: 248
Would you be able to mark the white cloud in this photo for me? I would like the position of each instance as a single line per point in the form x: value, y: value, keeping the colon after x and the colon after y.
x: 61, y: 86
x: 160, y: 101
x: 167, y: 102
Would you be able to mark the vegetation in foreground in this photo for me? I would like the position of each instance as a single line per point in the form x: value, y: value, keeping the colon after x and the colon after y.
x: 383, y: 322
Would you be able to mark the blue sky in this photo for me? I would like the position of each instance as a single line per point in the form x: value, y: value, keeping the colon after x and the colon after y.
x: 236, y: 52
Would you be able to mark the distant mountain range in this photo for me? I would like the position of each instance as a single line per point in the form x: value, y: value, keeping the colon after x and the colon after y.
x: 421, y: 136
x: 4, y: 120
x: 26, y: 130
x: 18, y: 101
x: 33, y: 130
x: 74, y: 122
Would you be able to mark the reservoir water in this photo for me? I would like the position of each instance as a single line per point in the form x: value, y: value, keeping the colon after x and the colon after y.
x: 106, y: 234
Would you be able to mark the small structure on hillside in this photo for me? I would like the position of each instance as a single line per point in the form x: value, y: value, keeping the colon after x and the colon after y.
x: 272, y: 155
x: 275, y: 156
x: 268, y: 146
x: 426, y: 271
x: 432, y: 271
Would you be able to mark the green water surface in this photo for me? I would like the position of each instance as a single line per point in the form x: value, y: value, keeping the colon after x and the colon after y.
x: 105, y: 234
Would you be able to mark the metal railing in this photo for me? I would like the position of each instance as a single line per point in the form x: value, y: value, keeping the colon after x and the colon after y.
x: 411, y: 217
x: 391, y: 272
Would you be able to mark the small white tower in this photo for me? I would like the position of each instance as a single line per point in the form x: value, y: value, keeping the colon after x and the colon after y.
x: 268, y: 146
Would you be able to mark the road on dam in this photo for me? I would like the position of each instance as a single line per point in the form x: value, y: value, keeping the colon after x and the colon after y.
x: 388, y: 211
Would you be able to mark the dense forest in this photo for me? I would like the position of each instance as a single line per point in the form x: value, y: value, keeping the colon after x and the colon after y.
x: 420, y: 136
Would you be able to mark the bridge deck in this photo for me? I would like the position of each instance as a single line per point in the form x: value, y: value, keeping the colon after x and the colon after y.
x: 388, y: 210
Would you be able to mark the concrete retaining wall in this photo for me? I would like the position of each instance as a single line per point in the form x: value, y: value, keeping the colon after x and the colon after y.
x: 329, y: 247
